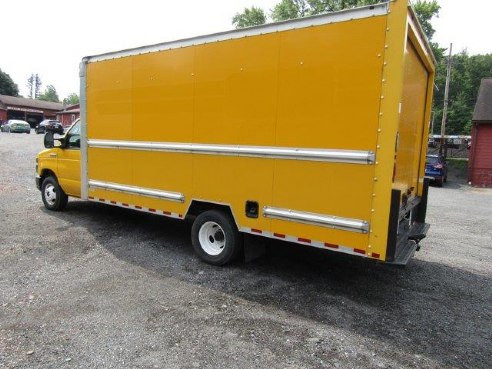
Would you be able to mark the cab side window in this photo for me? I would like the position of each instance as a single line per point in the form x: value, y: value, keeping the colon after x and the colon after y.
x: 73, y: 137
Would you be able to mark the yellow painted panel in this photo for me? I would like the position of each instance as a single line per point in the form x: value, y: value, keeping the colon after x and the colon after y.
x: 234, y: 180
x: 162, y: 170
x: 337, y: 189
x: 109, y: 103
x: 411, y: 121
x: 236, y: 91
x: 162, y: 96
x: 329, y: 85
x: 110, y: 165
x: 323, y: 234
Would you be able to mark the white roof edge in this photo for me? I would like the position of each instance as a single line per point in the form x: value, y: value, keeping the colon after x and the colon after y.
x: 327, y: 18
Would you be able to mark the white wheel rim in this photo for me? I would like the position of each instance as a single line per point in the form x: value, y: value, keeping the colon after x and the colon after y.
x: 212, y: 238
x: 50, y: 194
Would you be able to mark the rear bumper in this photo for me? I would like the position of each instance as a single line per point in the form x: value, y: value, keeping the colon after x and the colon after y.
x: 406, y: 227
x: 410, y: 243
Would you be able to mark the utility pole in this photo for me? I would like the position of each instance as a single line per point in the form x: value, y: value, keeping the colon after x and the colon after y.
x: 445, y: 108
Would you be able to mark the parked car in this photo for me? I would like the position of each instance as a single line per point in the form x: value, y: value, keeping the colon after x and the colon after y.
x: 436, y: 168
x: 16, y: 125
x: 49, y: 125
x: 3, y: 126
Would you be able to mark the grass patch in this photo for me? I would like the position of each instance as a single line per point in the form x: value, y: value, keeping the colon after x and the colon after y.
x: 458, y: 163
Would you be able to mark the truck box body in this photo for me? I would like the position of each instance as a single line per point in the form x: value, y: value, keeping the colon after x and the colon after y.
x: 311, y: 131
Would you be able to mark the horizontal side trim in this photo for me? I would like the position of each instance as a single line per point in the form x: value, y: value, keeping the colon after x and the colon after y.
x: 327, y: 18
x: 330, y: 155
x: 314, y: 243
x: 329, y: 221
x: 167, y: 195
x: 137, y: 208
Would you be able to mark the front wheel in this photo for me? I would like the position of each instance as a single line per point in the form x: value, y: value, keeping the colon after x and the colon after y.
x: 215, y: 237
x: 53, y: 196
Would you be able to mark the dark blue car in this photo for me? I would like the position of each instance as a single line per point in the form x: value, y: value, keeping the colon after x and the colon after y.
x: 437, y: 169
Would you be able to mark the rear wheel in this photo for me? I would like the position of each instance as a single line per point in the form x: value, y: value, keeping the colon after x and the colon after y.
x: 439, y: 182
x: 215, y: 237
x: 52, y: 194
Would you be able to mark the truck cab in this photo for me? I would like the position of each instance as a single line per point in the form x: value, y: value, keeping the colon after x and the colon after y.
x: 58, y: 168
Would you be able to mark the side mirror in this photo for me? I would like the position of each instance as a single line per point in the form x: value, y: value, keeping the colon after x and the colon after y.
x: 49, y: 140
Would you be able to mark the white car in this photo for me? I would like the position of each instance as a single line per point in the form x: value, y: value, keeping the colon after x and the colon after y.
x: 16, y: 125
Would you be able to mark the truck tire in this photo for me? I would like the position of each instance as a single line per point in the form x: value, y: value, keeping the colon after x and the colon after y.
x: 215, y: 237
x: 53, y: 196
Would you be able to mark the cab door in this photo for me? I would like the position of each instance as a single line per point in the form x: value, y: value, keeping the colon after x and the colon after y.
x: 69, y: 162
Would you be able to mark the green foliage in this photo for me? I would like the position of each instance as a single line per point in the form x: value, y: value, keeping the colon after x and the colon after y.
x: 290, y: 9
x: 466, y: 74
x: 7, y: 85
x: 49, y: 94
x: 249, y: 17
x: 71, y: 99
x: 425, y: 11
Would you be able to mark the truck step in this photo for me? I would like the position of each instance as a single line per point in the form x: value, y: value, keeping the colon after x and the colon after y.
x: 418, y: 231
x: 405, y: 253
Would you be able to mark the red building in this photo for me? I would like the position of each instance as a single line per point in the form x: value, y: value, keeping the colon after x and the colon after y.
x: 68, y: 115
x: 480, y: 158
x: 30, y: 110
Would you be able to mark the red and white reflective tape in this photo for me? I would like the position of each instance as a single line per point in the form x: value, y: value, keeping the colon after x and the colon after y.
x: 137, y: 207
x: 309, y: 242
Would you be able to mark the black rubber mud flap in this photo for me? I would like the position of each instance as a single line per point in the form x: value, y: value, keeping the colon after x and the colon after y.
x: 393, y: 225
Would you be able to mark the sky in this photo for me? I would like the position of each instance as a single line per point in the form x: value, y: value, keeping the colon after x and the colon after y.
x: 50, y: 37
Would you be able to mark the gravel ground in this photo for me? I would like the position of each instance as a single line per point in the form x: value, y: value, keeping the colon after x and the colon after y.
x: 103, y: 287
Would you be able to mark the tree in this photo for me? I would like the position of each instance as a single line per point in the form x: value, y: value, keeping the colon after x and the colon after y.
x: 34, y: 86
x: 7, y: 85
x: 249, y: 17
x: 71, y: 99
x: 425, y: 11
x: 290, y: 9
x: 49, y: 94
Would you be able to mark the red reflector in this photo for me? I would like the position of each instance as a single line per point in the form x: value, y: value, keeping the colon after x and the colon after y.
x: 152, y: 210
x: 256, y: 230
x: 180, y: 215
x: 124, y: 204
x: 306, y: 240
x: 359, y: 251
x: 331, y: 246
x: 138, y: 207
x: 113, y: 202
x: 375, y: 255
x: 166, y: 212
x: 279, y: 235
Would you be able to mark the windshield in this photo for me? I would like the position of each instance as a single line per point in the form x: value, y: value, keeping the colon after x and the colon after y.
x: 75, y: 130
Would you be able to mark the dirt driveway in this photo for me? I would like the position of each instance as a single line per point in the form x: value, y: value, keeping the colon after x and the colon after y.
x: 103, y: 287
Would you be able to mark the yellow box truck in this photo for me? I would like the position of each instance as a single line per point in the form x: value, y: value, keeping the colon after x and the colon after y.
x: 311, y: 131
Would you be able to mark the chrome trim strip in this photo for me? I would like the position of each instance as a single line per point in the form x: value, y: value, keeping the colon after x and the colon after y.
x: 340, y: 156
x: 150, y: 192
x: 327, y: 18
x: 84, y: 185
x: 330, y: 221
